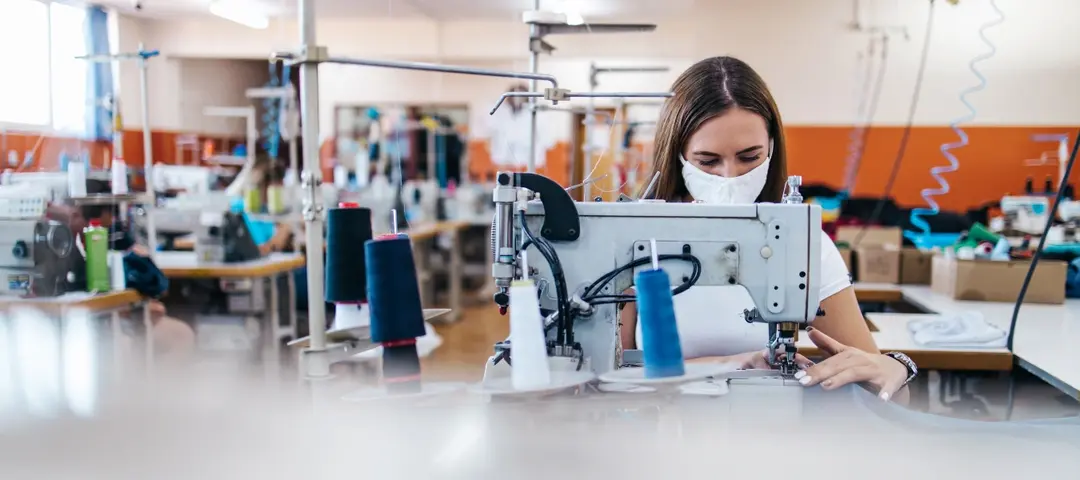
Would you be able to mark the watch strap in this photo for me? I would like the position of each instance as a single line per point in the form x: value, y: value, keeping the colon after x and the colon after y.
x: 913, y: 370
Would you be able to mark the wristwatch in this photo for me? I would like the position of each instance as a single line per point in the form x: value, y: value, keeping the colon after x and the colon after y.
x: 909, y: 364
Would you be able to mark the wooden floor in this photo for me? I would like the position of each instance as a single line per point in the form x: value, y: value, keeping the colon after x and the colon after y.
x: 467, y: 344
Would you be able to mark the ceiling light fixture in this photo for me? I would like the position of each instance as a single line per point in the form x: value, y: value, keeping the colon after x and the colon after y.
x: 569, y: 9
x: 240, y: 14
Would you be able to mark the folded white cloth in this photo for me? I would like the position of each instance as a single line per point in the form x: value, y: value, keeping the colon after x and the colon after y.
x: 964, y: 329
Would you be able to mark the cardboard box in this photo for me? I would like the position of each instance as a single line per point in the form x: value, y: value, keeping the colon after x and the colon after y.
x: 874, y: 236
x: 916, y: 267
x: 877, y: 264
x: 990, y: 281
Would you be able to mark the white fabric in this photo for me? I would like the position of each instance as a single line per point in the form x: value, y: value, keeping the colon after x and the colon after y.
x: 709, y: 188
x: 710, y: 318
x: 964, y: 329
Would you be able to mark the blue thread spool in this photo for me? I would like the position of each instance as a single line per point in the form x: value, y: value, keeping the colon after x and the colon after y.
x: 397, y: 317
x: 346, y: 268
x: 659, y: 332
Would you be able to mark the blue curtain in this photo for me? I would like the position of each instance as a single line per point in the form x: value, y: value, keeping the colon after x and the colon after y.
x: 100, y: 86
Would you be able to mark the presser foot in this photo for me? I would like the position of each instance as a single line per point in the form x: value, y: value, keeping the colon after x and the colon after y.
x: 783, y: 362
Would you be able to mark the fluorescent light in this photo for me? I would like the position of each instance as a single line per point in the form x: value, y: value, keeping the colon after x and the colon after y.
x: 237, y: 13
x: 569, y: 9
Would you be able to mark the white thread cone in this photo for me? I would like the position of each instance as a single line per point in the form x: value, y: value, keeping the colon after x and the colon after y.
x: 119, y: 177
x: 528, y: 350
x: 350, y: 315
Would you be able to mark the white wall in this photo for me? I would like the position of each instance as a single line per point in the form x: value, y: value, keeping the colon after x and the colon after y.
x: 179, y: 89
x: 804, y: 49
x: 216, y: 83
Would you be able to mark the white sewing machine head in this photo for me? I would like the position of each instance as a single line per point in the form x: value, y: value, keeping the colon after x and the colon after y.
x: 1025, y: 213
x: 772, y: 250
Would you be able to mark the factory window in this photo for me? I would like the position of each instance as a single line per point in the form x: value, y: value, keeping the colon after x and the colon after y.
x: 69, y: 74
x: 46, y: 88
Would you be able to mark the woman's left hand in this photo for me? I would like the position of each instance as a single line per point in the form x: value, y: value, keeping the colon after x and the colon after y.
x: 850, y: 365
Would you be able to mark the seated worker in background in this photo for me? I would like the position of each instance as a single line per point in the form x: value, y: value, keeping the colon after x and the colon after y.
x: 720, y: 140
x: 273, y: 236
x: 172, y: 338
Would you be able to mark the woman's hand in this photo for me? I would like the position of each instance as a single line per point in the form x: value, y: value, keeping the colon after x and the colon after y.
x: 751, y: 360
x: 279, y: 241
x: 850, y: 365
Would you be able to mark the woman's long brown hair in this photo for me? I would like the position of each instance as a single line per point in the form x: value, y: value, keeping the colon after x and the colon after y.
x: 708, y: 89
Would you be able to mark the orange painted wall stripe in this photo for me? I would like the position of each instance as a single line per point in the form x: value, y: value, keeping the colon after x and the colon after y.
x: 991, y: 166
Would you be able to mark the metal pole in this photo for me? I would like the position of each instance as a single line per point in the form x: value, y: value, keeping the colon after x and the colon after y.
x: 424, y: 67
x: 594, y: 72
x: 317, y: 360
x: 506, y: 95
x: 534, y: 68
x: 148, y: 151
x: 590, y: 112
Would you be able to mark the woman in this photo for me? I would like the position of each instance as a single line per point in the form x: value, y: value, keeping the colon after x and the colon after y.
x: 720, y: 140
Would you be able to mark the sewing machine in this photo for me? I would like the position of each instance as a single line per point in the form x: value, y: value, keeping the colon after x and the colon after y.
x: 1027, y: 214
x: 34, y: 257
x: 772, y: 250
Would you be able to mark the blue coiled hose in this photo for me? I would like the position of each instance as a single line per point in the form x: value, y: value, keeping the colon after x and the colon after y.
x: 272, y: 117
x: 928, y: 194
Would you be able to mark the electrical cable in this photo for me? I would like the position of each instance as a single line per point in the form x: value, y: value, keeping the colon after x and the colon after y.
x: 938, y: 172
x: 860, y: 134
x: 590, y: 295
x: 908, y: 125
x: 1042, y: 242
x: 563, y: 322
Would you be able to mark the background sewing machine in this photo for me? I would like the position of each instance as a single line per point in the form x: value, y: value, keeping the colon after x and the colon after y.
x: 35, y: 253
x: 34, y: 257
x: 1027, y: 214
x: 772, y: 250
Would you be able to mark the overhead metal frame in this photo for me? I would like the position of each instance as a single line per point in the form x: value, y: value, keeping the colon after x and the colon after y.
x: 141, y: 57
x: 316, y: 358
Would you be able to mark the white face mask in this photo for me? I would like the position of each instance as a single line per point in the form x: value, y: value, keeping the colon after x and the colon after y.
x: 708, y: 188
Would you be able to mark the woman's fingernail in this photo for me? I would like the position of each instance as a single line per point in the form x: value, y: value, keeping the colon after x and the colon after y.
x: 799, y: 374
x: 804, y: 380
x: 884, y: 396
x: 809, y: 329
x: 826, y: 383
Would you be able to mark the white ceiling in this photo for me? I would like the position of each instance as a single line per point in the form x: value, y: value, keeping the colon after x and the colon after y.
x: 591, y: 10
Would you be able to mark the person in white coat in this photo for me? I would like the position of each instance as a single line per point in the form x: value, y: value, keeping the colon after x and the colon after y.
x: 720, y: 140
x: 509, y: 131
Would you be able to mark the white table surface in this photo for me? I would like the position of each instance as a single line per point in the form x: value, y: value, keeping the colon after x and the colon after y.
x: 178, y: 260
x: 1045, y: 341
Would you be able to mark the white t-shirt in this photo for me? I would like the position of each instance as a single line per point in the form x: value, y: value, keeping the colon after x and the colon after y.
x: 710, y: 319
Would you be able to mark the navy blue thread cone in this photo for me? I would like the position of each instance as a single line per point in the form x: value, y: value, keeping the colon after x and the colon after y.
x: 397, y: 316
x: 347, y: 228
